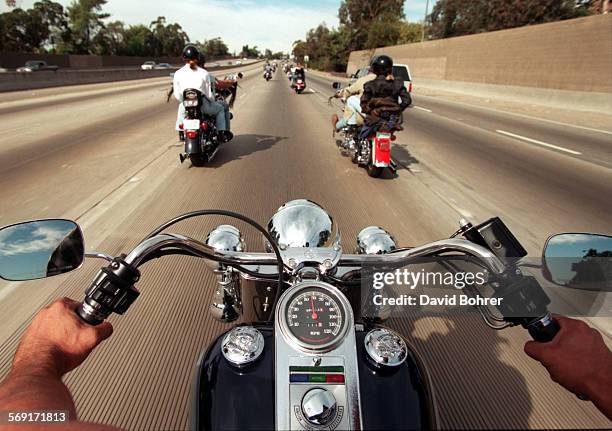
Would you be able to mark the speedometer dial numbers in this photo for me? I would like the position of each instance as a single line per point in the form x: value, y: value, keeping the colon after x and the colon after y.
x: 315, y: 316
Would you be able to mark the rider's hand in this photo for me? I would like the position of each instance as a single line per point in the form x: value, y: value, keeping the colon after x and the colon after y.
x: 577, y: 358
x: 57, y: 340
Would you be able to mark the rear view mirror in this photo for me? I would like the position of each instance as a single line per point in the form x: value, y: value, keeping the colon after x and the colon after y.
x: 579, y: 260
x: 40, y: 249
x: 336, y: 85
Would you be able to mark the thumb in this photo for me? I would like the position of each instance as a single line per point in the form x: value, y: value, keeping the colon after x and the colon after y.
x: 535, y: 350
x: 103, y: 331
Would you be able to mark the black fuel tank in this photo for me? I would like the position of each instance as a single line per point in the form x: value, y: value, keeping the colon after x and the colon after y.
x: 230, y: 399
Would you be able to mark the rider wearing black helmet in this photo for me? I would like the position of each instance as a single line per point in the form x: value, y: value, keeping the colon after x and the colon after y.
x: 384, y: 91
x: 192, y: 75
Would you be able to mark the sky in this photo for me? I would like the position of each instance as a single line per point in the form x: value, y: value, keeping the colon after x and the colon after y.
x: 272, y: 24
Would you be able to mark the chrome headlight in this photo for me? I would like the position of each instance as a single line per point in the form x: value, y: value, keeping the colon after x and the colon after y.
x: 302, y: 223
x: 375, y: 240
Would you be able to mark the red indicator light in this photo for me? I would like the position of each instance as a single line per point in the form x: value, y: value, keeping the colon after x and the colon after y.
x: 191, y: 134
x: 181, y: 126
x: 204, y: 126
x: 393, y: 137
x: 334, y: 378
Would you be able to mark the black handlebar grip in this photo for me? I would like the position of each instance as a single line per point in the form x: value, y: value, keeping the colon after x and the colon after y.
x: 544, y: 329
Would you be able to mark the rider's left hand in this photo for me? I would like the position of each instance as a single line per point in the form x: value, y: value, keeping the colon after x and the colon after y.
x: 57, y: 340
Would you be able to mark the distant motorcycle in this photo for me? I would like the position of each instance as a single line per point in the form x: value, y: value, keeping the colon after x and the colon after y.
x: 300, y: 85
x: 198, y: 130
x: 267, y: 75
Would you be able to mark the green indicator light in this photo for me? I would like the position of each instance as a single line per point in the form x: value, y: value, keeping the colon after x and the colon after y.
x: 316, y: 378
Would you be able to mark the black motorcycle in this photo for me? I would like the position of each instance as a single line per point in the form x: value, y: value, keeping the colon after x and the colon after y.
x: 198, y: 131
x: 316, y: 355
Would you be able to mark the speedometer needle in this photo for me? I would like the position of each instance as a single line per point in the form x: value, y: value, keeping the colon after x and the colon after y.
x: 314, y: 313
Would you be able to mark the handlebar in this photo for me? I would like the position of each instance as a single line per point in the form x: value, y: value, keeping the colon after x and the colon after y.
x: 113, y: 289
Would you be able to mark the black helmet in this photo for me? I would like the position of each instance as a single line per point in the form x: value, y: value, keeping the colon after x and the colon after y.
x: 382, y: 65
x: 191, y: 53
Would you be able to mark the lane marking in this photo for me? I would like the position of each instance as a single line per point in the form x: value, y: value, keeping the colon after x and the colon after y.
x: 516, y: 114
x: 423, y: 109
x: 535, y: 141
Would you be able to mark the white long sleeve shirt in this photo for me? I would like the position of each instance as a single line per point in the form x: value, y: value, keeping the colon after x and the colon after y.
x: 197, y: 78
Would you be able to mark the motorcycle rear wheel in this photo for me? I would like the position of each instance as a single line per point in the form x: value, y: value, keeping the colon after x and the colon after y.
x: 374, y: 171
x: 198, y: 160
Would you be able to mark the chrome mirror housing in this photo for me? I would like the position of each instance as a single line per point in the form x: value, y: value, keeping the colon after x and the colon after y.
x: 375, y: 240
x: 302, y: 223
x: 226, y: 303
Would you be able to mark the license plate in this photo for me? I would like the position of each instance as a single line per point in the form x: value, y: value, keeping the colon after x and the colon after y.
x: 191, y: 124
x: 380, y: 135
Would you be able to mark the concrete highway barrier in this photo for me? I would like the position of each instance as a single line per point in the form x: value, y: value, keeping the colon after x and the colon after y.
x: 13, y: 81
x: 560, y: 64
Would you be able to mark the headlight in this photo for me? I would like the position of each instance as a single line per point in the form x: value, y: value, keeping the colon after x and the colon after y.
x: 302, y: 223
x: 190, y: 103
x: 375, y: 240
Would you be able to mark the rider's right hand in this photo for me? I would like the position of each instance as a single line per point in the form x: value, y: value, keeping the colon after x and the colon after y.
x: 57, y: 340
x: 579, y: 360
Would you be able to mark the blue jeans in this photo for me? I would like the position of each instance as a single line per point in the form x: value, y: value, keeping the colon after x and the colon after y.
x: 219, y: 110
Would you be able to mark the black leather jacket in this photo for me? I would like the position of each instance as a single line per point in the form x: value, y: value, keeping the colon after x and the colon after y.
x: 393, y: 90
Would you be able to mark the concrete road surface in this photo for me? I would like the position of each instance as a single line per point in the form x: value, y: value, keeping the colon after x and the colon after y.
x: 107, y: 156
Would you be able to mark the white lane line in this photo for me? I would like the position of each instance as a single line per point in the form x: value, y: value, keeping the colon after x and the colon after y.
x: 423, y: 109
x: 535, y: 141
x: 312, y: 90
x: 529, y: 117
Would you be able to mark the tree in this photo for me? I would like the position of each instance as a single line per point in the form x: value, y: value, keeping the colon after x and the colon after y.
x: 214, y: 48
x: 249, y: 52
x: 86, y: 20
x: 55, y: 19
x: 365, y: 19
x: 22, y: 31
x: 456, y: 17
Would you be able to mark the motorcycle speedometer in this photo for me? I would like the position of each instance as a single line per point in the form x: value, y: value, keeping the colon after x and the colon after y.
x: 314, y: 316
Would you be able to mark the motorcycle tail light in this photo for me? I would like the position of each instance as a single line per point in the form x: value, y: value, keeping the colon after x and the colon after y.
x: 204, y: 126
x: 191, y: 134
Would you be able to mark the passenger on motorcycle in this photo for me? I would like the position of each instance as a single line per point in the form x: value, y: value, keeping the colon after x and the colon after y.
x: 298, y: 73
x: 193, y: 76
x: 384, y: 98
x: 352, y: 110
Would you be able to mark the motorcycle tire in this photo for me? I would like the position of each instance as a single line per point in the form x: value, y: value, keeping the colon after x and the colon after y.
x: 354, y: 156
x: 198, y: 160
x: 374, y: 171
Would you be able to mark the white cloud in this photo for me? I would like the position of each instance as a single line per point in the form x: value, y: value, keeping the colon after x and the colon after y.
x: 37, y: 238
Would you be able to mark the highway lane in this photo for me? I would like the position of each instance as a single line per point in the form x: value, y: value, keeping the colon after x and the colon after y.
x: 459, y: 154
x: 283, y: 150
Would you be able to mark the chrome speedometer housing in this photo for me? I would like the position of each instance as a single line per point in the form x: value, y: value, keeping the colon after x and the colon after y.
x: 290, y: 317
x: 303, y: 223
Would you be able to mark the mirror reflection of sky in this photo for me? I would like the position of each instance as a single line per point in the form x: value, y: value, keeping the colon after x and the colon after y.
x: 25, y: 248
x: 565, y: 249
